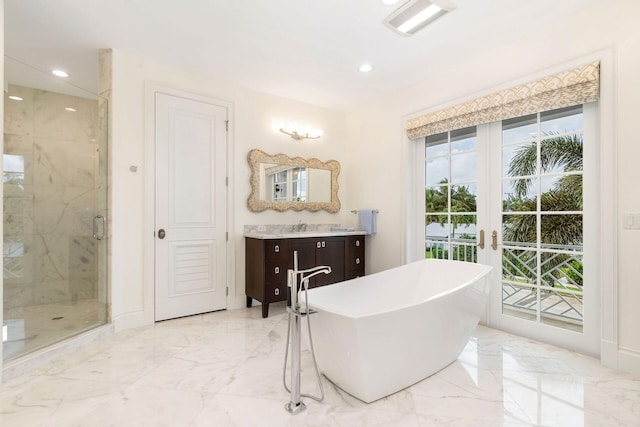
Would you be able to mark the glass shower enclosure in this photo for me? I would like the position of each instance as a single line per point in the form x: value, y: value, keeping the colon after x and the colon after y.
x: 55, y: 210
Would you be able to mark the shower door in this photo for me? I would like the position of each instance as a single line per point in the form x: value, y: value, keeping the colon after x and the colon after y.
x: 55, y: 210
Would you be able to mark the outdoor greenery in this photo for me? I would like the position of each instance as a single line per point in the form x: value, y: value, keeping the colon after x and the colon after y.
x: 557, y: 153
x: 462, y: 200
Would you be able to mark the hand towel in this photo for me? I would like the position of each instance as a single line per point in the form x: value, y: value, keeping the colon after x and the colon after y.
x: 367, y: 221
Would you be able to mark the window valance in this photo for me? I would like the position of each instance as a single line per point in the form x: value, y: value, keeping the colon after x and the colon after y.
x: 565, y: 89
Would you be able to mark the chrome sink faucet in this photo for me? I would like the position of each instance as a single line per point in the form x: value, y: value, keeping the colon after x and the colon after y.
x: 300, y: 226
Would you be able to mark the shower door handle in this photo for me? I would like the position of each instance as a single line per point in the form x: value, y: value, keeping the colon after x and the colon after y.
x: 481, y: 240
x: 98, y: 232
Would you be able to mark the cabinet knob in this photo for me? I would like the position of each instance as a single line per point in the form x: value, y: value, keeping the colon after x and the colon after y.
x: 318, y: 245
x: 276, y: 248
x: 323, y: 243
x: 276, y: 270
x: 276, y: 291
x: 357, y: 242
x: 357, y: 260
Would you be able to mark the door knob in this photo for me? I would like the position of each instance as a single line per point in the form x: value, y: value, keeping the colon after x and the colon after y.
x: 494, y: 240
x: 161, y: 233
x: 481, y: 240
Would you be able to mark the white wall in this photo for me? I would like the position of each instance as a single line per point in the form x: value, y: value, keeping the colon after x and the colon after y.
x: 377, y: 143
x: 251, y: 127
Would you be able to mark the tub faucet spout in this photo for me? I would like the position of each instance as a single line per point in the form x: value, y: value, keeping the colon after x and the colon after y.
x: 323, y: 269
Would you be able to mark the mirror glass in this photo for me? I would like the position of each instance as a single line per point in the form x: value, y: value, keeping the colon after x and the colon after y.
x: 280, y: 182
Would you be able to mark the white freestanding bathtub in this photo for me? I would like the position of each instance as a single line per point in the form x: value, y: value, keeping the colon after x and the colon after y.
x: 379, y: 334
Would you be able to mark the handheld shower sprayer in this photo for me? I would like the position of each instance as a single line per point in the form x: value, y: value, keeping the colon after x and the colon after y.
x: 298, y: 280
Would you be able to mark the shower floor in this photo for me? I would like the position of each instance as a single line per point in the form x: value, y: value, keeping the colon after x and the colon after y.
x: 27, y: 329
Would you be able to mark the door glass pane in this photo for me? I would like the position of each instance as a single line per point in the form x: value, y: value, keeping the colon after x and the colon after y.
x: 463, y: 238
x: 55, y: 208
x: 520, y: 300
x: 436, y: 146
x: 450, y: 217
x: 437, y: 170
x: 464, y: 198
x: 526, y: 164
x: 463, y: 167
x: 519, y: 230
x: 561, y: 121
x: 561, y: 231
x: 463, y: 140
x: 519, y: 266
x: 437, y: 199
x: 519, y: 195
x: 519, y: 129
x: 543, y: 247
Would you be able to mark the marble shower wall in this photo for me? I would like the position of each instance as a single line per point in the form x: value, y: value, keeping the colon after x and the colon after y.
x: 51, y: 182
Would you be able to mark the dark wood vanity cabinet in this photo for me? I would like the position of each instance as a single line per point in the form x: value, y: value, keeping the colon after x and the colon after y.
x: 267, y: 262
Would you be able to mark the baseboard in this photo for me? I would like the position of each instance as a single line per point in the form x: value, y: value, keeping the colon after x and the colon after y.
x: 619, y: 358
x: 629, y: 360
x: 130, y: 320
x: 609, y: 354
x: 234, y: 302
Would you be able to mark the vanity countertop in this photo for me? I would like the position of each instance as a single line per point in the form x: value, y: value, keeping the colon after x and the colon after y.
x: 300, y: 234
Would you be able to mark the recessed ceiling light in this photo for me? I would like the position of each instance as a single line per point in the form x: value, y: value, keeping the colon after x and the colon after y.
x: 365, y: 68
x: 60, y: 73
x: 73, y: 110
x: 15, y: 98
x: 416, y: 14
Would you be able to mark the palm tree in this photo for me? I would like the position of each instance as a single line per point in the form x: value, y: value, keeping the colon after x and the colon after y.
x: 563, y: 152
x: 462, y: 200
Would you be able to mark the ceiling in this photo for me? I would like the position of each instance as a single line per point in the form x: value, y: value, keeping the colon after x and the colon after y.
x: 307, y: 50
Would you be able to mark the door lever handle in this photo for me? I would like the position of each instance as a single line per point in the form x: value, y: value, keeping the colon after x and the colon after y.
x: 481, y: 240
x: 494, y: 240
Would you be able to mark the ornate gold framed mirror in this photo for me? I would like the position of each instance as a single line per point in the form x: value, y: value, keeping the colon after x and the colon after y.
x: 280, y: 182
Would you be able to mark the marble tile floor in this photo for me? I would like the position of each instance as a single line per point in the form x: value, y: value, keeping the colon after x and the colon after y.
x: 33, y: 327
x: 225, y: 369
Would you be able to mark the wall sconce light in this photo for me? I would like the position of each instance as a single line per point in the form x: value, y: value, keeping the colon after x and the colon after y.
x: 300, y: 135
x: 297, y: 131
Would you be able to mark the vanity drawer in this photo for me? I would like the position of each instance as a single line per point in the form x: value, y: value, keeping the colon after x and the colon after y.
x: 355, y: 262
x: 355, y: 247
x: 275, y: 250
x: 274, y: 292
x: 354, y: 259
x: 275, y: 271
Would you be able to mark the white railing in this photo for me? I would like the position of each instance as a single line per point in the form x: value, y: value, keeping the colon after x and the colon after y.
x: 560, y: 283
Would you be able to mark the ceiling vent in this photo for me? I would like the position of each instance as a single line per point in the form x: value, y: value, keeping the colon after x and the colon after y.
x: 417, y: 14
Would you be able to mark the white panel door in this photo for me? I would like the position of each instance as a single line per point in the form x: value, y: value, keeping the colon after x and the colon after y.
x: 191, y: 205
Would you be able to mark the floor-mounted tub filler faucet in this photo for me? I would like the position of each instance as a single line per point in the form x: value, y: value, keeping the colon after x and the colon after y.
x: 298, y: 281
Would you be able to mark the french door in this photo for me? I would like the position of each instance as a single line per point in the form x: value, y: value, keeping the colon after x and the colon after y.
x: 521, y: 195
